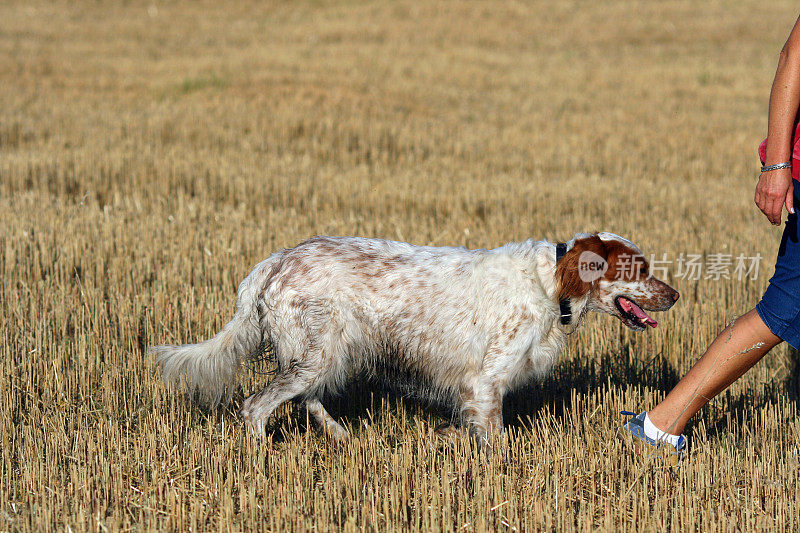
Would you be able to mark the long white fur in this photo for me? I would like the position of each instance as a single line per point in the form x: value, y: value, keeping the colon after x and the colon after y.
x: 470, y: 324
x: 210, y: 368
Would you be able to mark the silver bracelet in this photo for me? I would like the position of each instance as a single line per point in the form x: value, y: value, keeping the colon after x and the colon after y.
x: 779, y: 166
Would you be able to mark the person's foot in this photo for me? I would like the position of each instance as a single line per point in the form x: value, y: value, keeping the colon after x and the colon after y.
x: 672, y: 447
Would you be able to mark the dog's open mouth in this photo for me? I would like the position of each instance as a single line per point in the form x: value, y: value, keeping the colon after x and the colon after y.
x: 632, y: 314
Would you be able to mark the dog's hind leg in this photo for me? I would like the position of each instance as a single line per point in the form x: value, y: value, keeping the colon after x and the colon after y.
x: 308, y: 336
x: 287, y: 385
x: 325, y: 421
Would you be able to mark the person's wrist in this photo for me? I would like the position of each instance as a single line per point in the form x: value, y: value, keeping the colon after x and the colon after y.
x: 776, y: 166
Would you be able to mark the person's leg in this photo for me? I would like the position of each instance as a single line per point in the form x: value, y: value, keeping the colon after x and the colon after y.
x: 740, y: 346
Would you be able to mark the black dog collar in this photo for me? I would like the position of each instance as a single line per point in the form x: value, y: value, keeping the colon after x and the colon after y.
x: 563, y: 303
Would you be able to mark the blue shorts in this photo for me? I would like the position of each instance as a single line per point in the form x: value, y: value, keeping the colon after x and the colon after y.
x: 779, y: 308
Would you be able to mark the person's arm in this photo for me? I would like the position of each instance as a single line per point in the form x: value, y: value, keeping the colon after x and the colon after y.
x: 774, y: 189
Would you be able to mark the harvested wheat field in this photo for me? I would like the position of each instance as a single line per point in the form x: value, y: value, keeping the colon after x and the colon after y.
x: 152, y: 153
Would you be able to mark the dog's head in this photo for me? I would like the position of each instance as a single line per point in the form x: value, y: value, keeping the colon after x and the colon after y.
x: 615, y: 275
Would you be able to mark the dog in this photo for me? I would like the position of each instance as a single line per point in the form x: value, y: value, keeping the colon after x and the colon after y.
x: 466, y: 325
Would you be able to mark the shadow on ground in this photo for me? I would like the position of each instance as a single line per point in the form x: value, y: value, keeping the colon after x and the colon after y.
x: 728, y: 413
x: 618, y: 369
x: 362, y: 398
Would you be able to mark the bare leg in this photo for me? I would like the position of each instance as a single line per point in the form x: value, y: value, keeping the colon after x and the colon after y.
x: 326, y: 422
x: 735, y: 350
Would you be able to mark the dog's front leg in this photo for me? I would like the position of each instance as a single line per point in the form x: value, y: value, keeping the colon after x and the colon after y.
x: 482, y: 408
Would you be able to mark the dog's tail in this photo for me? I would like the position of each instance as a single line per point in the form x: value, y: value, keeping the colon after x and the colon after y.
x: 208, y: 369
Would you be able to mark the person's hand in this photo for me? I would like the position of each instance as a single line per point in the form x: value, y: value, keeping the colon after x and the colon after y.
x: 773, y: 192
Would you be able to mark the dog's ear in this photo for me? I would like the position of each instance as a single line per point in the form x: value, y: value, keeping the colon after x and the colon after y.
x: 572, y: 277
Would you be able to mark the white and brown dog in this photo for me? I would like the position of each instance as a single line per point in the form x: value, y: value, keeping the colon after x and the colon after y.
x: 469, y: 325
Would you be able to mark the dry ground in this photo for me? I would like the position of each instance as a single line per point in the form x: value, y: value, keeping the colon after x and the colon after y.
x: 151, y: 153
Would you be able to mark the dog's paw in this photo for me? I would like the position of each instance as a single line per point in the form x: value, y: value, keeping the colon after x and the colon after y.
x: 253, y: 422
x: 336, y: 432
x: 448, y: 431
x: 255, y: 428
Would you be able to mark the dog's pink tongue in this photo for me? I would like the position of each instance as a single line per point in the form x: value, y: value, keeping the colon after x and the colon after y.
x: 634, y: 309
